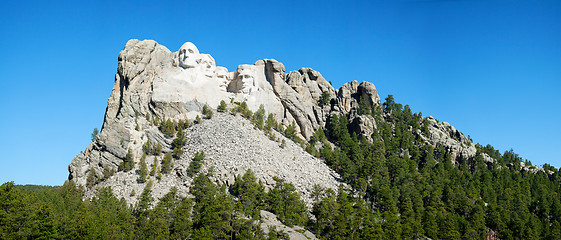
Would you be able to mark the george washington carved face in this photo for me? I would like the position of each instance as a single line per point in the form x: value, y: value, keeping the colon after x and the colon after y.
x: 188, y: 55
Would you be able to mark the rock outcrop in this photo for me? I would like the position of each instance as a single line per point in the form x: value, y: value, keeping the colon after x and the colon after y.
x: 442, y: 134
x: 269, y: 222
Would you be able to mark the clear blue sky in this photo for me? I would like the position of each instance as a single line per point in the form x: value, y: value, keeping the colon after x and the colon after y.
x: 490, y: 68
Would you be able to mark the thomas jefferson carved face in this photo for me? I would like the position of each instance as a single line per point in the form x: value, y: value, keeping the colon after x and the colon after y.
x: 207, y: 64
x: 188, y: 55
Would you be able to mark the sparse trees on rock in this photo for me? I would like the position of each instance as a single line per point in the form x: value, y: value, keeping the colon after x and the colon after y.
x: 364, y: 105
x: 178, y: 143
x: 167, y: 127
x: 108, y: 172
x: 152, y: 148
x: 290, y: 132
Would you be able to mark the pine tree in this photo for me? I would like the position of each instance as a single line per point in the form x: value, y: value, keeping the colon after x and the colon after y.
x: 326, y: 212
x: 94, y: 134
x: 128, y: 163
x: 196, y: 163
x: 167, y: 163
x: 12, y: 212
x: 259, y: 117
x: 364, y: 105
x: 181, y: 215
x: 92, y: 178
x: 143, y: 170
x: 107, y: 172
x: 213, y: 209
x: 290, y: 131
x: 250, y: 193
x: 207, y: 112
x: 285, y: 202
x: 324, y: 99
x: 145, y: 200
x: 222, y: 106
x: 271, y: 123
x: 43, y: 223
x: 177, y: 144
x: 154, y: 166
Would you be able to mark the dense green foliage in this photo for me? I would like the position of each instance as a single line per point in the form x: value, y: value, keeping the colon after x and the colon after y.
x: 196, y: 163
x: 403, y: 189
x: 28, y: 212
x: 284, y: 201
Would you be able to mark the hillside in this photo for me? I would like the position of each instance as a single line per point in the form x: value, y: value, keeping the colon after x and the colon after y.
x: 189, y: 150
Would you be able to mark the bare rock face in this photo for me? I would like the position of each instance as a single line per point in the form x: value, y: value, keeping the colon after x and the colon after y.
x: 363, y: 125
x: 442, y: 134
x: 270, y: 222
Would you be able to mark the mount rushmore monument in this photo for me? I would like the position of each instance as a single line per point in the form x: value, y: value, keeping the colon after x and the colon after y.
x: 154, y: 83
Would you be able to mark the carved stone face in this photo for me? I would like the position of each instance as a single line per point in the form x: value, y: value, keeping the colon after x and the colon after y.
x: 188, y: 55
x: 207, y: 65
x: 222, y: 76
x: 246, y: 74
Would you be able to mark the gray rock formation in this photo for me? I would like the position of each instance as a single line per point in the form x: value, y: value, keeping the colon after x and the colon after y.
x: 270, y: 222
x: 442, y: 134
